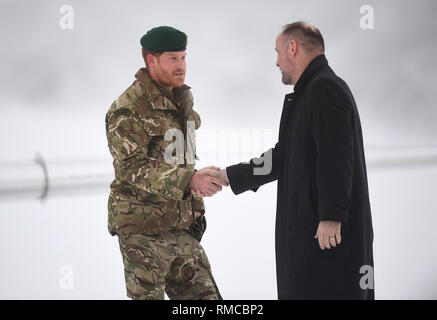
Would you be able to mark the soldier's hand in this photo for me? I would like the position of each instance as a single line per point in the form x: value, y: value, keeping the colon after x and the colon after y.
x: 207, y: 182
x: 197, y: 214
x: 222, y: 174
x: 210, y: 168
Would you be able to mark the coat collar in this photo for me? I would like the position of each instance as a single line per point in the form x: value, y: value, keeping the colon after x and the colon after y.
x: 309, y: 71
x: 160, y: 97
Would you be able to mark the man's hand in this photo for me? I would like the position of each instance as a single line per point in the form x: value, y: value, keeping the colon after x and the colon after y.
x: 197, y: 214
x: 328, y: 234
x: 207, y: 182
x: 223, y: 175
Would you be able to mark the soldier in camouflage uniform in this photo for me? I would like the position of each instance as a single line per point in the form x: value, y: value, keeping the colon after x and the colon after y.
x: 151, y: 205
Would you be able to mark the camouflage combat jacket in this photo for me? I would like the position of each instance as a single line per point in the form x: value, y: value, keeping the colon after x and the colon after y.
x: 148, y: 195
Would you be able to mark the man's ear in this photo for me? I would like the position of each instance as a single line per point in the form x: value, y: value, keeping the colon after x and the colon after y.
x: 151, y: 59
x: 292, y: 48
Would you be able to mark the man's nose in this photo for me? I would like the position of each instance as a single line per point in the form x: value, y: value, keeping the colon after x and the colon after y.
x: 181, y: 64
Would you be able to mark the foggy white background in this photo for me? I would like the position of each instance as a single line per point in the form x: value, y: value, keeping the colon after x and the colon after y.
x: 56, y: 86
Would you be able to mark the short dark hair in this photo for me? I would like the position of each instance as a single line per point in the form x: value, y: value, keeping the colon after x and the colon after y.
x: 308, y: 36
x: 146, y: 52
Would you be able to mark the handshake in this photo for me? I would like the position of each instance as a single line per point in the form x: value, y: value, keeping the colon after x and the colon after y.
x: 208, y: 181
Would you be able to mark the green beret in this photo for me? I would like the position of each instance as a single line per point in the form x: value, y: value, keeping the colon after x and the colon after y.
x: 164, y: 38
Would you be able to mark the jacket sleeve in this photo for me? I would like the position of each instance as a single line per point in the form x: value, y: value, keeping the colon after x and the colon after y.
x: 330, y: 121
x: 253, y: 174
x: 128, y: 143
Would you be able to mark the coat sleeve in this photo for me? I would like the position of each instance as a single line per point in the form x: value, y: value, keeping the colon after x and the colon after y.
x: 253, y: 174
x: 128, y: 143
x: 329, y: 117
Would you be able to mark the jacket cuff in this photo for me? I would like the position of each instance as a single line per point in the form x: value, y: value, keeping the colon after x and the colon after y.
x: 234, y: 174
x: 333, y: 212
x: 184, y: 180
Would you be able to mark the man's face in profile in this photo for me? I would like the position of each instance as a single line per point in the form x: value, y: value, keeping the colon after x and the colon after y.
x: 170, y: 68
x: 282, y: 60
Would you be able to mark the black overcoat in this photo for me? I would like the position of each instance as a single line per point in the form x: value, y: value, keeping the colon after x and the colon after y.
x: 320, y: 167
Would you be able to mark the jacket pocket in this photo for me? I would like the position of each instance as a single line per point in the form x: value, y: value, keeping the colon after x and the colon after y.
x: 157, y: 145
x: 145, y: 213
x: 159, y: 123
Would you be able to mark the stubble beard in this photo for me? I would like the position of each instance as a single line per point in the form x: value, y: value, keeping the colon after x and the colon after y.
x: 167, y: 78
x: 286, y: 79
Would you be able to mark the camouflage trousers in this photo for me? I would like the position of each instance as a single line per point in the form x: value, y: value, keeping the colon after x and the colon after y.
x: 171, y: 262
